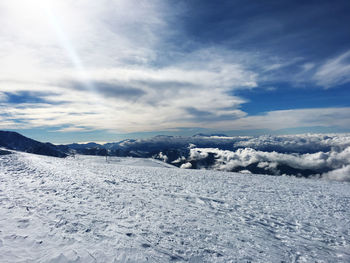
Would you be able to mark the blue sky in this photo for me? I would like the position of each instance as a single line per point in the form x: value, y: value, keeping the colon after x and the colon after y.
x: 108, y: 70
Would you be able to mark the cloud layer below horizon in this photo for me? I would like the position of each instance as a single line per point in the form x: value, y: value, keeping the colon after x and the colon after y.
x: 308, y: 155
x: 131, y: 66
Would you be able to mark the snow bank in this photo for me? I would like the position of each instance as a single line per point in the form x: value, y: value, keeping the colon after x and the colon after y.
x: 89, y: 210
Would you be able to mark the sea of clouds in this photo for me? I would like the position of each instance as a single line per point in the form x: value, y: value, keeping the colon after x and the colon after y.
x: 336, y: 163
x: 309, y: 155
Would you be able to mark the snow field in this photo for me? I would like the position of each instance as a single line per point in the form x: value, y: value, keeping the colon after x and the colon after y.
x: 88, y: 210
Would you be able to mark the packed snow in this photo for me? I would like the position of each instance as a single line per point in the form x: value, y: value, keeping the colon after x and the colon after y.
x: 89, y: 209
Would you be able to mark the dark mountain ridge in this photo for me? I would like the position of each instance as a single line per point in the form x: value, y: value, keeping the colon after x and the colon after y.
x: 15, y: 141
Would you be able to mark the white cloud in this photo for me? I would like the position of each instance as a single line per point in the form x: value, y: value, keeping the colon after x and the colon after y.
x: 162, y: 157
x: 186, y: 166
x: 278, y: 63
x: 335, y: 71
x: 98, y: 33
x: 308, y: 66
x: 226, y: 160
x: 245, y: 172
x: 97, y: 62
x: 301, y: 143
x: 69, y: 48
x: 72, y: 129
x: 283, y: 119
x: 341, y: 174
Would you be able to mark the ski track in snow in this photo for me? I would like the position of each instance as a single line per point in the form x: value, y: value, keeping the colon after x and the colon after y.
x: 87, y: 210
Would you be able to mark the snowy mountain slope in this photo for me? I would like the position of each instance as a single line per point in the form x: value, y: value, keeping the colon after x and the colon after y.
x: 87, y: 210
x: 130, y: 161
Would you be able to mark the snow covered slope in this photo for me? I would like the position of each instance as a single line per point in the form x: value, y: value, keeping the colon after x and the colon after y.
x: 87, y: 210
x: 130, y: 161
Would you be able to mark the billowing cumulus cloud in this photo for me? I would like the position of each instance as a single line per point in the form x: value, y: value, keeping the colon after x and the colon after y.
x: 274, y: 155
x: 228, y: 160
x: 340, y: 174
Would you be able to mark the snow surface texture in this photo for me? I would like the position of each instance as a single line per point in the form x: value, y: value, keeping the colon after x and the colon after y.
x: 88, y: 210
x: 145, y: 162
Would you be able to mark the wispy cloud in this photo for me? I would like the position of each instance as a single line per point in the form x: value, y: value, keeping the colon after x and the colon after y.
x: 284, y: 119
x: 335, y: 71
x: 127, y: 66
